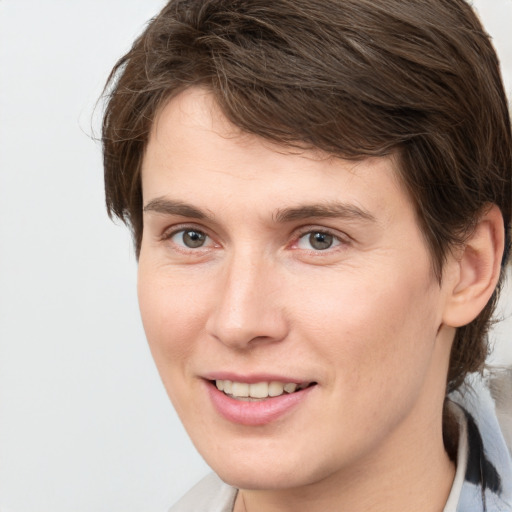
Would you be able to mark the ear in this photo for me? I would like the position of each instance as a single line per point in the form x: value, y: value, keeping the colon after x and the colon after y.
x: 474, y: 272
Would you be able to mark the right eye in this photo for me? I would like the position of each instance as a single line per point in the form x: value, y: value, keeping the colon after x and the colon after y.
x: 318, y: 241
x: 189, y: 238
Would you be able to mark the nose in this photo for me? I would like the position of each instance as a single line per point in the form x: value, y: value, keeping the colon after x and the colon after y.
x: 248, y: 309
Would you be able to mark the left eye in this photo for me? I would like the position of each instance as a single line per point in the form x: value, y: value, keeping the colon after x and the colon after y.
x: 317, y: 240
x: 190, y: 238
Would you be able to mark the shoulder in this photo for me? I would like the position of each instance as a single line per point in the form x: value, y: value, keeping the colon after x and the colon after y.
x: 500, y: 385
x: 211, y: 494
x: 488, y: 476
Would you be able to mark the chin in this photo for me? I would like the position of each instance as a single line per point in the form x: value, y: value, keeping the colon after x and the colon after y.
x: 263, y: 479
x: 268, y: 473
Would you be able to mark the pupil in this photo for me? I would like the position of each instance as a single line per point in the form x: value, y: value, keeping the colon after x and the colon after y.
x: 193, y: 239
x: 320, y: 241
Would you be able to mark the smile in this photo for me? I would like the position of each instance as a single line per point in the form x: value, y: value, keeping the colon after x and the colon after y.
x: 259, y: 390
x: 257, y: 403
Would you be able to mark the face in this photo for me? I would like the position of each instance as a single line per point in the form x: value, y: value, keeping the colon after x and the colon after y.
x: 298, y: 284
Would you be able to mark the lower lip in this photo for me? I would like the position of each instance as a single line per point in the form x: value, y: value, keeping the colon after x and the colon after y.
x: 255, y: 413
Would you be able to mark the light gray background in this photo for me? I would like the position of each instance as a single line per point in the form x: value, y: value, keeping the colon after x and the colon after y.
x: 85, y: 425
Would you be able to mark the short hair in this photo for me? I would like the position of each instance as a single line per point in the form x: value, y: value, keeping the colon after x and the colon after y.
x: 354, y: 78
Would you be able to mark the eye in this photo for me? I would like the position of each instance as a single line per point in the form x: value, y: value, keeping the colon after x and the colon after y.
x: 318, y: 241
x: 189, y: 238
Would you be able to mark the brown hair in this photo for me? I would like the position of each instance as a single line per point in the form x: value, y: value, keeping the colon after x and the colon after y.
x: 352, y: 77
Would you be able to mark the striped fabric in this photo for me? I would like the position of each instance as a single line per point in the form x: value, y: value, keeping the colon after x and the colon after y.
x: 486, y: 485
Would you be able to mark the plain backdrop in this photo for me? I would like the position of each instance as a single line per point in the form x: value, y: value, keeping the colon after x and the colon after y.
x: 85, y: 425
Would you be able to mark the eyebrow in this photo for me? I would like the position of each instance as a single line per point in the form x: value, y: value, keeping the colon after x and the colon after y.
x: 328, y: 210
x: 170, y: 207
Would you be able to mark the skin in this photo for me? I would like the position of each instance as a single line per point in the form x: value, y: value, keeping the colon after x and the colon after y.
x: 366, y: 318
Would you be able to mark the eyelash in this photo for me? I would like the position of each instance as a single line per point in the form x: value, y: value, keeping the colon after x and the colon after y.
x: 341, y: 240
x: 338, y: 239
x: 169, y: 234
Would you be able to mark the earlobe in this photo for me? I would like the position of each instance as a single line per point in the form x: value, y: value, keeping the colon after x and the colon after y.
x: 477, y: 269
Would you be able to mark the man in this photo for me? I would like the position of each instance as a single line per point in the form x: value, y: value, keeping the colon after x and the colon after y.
x: 320, y: 197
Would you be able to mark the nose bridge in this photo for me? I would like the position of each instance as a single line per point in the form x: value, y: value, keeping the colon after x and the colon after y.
x: 246, y: 308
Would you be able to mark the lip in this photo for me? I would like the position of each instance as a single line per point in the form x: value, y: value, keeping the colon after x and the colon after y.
x: 252, y: 378
x: 261, y: 412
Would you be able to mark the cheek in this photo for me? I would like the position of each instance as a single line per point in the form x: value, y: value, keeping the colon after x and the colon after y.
x: 170, y: 316
x: 369, y: 327
x: 377, y: 341
x: 171, y: 319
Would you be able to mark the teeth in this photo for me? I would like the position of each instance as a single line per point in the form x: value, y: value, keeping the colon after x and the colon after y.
x: 275, y: 389
x: 243, y: 390
x: 240, y: 389
x: 290, y: 388
x: 259, y: 390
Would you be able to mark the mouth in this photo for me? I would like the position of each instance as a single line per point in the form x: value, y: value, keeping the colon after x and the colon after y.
x: 258, y: 391
x: 257, y: 401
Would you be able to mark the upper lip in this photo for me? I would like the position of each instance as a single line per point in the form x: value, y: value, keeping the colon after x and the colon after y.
x: 253, y: 378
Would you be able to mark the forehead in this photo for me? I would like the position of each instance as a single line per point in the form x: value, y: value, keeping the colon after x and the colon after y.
x: 196, y: 153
